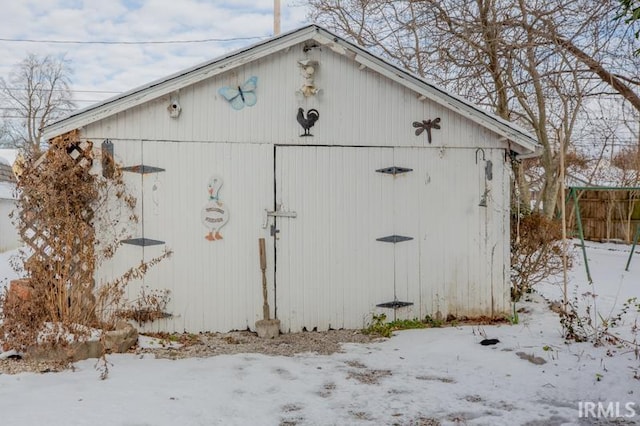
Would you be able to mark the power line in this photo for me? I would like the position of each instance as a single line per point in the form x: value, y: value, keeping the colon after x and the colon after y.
x: 21, y: 109
x: 12, y: 116
x: 72, y: 100
x: 65, y: 90
x: 204, y: 40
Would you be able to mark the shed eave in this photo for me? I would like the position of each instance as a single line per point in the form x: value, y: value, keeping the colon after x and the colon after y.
x: 523, y: 142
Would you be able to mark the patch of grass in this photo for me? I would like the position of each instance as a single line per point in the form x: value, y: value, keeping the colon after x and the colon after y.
x: 514, y: 319
x: 408, y: 324
x: 434, y: 322
x: 378, y: 326
x: 381, y: 327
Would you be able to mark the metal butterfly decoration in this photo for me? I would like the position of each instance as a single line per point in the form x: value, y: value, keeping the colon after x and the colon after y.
x: 426, y: 125
x: 239, y: 96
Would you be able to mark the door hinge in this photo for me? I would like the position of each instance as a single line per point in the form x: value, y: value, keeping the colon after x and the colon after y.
x: 142, y: 242
x: 394, y: 239
x: 396, y: 304
x: 394, y: 170
x: 142, y: 169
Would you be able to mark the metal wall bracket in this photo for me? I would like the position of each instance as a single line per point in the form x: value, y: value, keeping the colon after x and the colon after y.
x: 142, y: 169
x: 394, y: 239
x: 142, y: 242
x: 394, y: 170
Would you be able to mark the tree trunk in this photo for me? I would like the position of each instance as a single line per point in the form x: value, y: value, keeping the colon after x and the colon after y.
x: 523, y: 186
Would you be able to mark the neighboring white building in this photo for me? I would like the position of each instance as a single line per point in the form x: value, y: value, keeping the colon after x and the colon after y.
x: 9, y: 238
x: 367, y: 211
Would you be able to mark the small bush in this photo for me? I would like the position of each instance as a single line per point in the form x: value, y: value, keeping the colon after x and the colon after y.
x: 150, y: 305
x: 536, y: 252
x: 589, y: 326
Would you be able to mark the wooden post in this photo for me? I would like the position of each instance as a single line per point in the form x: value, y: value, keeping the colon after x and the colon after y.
x: 565, y: 300
x: 636, y: 238
x: 263, y: 268
x: 276, y: 17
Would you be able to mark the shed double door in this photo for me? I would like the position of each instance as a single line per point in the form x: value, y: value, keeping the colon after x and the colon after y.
x: 214, y: 285
x: 331, y: 270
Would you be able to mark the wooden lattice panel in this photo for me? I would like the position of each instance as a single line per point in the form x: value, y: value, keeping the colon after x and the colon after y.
x: 38, y: 233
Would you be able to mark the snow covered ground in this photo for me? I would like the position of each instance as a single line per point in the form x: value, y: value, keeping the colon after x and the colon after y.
x: 430, y: 376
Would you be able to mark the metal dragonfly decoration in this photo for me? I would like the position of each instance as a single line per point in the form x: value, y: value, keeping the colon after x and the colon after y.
x: 426, y: 125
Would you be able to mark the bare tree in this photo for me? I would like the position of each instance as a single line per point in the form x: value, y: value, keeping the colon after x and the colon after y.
x: 630, y: 13
x: 5, y: 141
x: 36, y: 93
x: 530, y: 62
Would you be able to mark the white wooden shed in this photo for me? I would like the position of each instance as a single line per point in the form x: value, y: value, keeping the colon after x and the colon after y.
x: 395, y: 201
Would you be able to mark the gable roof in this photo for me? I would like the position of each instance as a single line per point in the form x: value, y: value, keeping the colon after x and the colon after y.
x: 523, y: 142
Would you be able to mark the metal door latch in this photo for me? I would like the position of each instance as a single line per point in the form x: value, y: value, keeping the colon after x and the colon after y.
x: 280, y: 211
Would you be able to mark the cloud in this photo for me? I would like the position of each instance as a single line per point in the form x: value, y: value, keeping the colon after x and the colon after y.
x: 123, y: 66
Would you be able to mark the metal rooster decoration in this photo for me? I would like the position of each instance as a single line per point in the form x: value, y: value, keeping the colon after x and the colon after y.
x: 307, y: 122
x: 426, y: 125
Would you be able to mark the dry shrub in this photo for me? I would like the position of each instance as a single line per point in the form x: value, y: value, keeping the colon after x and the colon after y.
x: 575, y: 160
x: 627, y: 158
x: 536, y: 251
x: 148, y: 307
x: 61, y: 203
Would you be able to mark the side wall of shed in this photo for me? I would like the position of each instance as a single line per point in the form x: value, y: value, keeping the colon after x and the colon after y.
x: 9, y: 238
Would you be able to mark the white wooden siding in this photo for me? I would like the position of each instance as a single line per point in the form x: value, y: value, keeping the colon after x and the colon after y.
x: 9, y: 238
x: 331, y: 271
x: 214, y: 285
x: 463, y: 248
x: 358, y: 107
x: 114, y: 222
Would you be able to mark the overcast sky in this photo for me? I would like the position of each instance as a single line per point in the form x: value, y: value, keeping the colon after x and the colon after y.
x: 120, y: 67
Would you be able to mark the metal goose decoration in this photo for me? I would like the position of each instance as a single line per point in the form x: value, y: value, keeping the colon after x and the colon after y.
x: 215, y: 213
x: 426, y: 125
